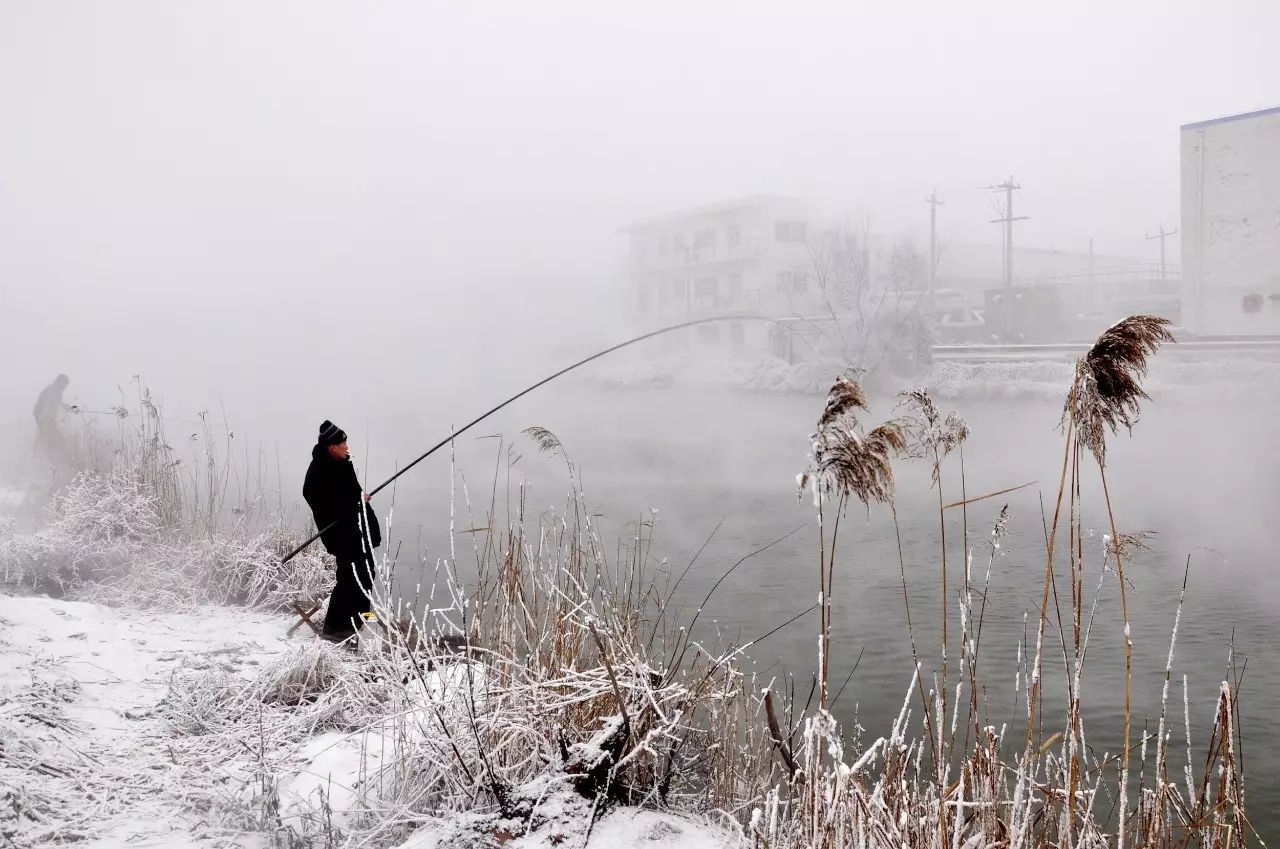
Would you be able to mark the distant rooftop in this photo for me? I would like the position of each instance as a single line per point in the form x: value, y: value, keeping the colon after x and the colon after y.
x: 732, y: 205
x: 1274, y: 110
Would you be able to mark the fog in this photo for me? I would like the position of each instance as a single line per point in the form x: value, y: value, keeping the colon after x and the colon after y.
x: 305, y: 209
x: 394, y: 216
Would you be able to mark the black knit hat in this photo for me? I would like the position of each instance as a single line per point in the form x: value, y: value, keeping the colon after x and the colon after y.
x: 331, y: 434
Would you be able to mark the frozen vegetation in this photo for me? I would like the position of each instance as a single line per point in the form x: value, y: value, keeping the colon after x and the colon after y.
x: 559, y: 698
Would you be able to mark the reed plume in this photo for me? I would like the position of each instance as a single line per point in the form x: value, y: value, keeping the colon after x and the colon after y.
x: 844, y: 397
x: 547, y: 442
x: 1107, y: 389
x: 845, y: 463
x: 932, y: 435
x: 1106, y: 394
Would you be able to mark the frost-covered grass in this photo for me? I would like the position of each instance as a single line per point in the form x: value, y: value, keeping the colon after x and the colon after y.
x: 84, y: 754
x: 129, y: 521
x: 954, y: 779
x: 559, y: 699
x: 106, y: 537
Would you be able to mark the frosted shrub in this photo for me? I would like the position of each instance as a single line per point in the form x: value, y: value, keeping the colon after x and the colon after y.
x: 305, y: 675
x: 195, y: 703
x: 108, y: 539
x: 96, y: 524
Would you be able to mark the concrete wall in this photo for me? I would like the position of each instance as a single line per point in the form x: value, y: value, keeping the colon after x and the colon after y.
x: 1231, y: 222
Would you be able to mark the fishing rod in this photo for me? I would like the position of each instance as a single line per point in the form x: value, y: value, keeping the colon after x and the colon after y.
x: 521, y: 394
x: 122, y: 413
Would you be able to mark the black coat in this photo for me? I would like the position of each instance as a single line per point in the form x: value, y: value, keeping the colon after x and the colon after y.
x: 49, y: 403
x: 333, y: 493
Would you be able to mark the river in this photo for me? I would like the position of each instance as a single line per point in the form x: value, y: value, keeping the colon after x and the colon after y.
x: 1198, y: 474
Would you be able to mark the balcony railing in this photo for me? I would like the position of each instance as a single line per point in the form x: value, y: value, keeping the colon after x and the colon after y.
x: 747, y: 249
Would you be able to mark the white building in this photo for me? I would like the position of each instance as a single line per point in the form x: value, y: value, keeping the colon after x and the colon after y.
x: 748, y: 255
x: 1231, y: 223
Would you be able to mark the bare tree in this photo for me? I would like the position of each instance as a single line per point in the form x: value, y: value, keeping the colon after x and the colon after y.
x: 869, y: 317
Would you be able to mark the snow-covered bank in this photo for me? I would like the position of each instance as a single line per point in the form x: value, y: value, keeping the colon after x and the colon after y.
x: 1224, y: 380
x: 84, y: 748
x: 114, y: 537
x: 118, y: 728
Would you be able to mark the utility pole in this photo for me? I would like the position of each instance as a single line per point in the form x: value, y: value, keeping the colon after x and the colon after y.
x: 1162, y: 235
x: 1008, y: 187
x: 934, y: 203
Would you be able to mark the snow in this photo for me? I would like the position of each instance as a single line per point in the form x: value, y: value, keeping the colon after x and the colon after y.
x: 622, y: 828
x: 630, y: 829
x: 84, y: 756
x: 94, y: 676
x: 1225, y: 379
x: 770, y: 374
x: 330, y: 768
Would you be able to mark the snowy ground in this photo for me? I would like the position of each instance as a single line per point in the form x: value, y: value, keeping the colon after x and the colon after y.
x: 88, y: 755
x: 80, y: 686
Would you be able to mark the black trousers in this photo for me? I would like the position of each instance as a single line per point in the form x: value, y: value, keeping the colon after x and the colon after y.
x: 351, y: 594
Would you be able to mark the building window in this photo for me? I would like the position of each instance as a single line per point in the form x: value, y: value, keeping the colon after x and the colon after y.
x: 733, y: 235
x: 707, y: 289
x: 704, y: 239
x: 679, y: 288
x: 735, y: 288
x: 642, y: 302
x: 790, y: 231
x: 792, y: 283
x: 736, y: 336
x: 709, y: 334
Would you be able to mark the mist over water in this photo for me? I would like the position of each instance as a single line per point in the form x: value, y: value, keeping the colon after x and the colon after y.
x: 706, y: 459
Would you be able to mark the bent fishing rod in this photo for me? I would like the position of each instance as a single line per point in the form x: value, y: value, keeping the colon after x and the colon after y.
x: 442, y: 443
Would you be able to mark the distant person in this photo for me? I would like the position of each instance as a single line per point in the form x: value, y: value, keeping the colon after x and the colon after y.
x: 335, y: 497
x: 48, y: 410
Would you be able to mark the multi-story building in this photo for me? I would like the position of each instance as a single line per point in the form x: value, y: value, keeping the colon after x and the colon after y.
x: 1231, y: 223
x: 749, y: 255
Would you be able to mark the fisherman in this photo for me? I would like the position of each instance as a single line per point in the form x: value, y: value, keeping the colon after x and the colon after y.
x: 49, y: 407
x: 343, y: 514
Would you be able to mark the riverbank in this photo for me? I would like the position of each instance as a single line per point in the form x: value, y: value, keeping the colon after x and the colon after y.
x: 112, y: 724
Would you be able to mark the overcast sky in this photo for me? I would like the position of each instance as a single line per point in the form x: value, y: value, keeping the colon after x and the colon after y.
x: 221, y: 192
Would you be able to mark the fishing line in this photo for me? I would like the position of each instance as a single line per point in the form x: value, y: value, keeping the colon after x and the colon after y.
x: 523, y: 393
